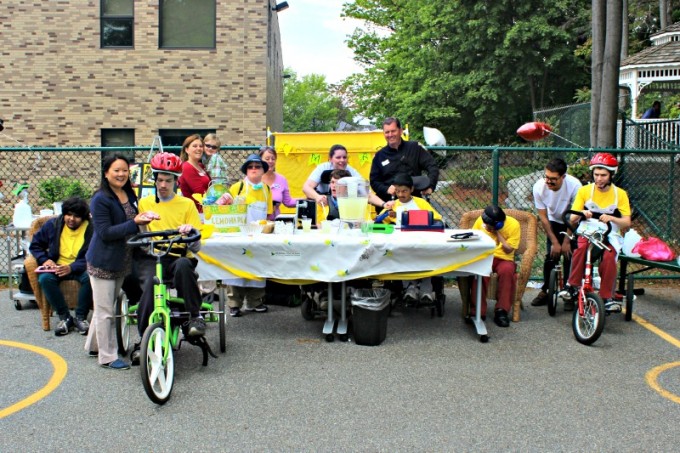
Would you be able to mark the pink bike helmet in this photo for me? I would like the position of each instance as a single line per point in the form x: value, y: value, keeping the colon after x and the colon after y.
x: 604, y: 160
x: 166, y: 163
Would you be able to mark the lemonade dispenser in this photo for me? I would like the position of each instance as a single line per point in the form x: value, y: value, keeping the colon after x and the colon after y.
x: 352, y: 195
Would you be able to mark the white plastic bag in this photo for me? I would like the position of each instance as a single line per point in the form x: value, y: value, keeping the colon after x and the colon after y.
x: 629, y: 241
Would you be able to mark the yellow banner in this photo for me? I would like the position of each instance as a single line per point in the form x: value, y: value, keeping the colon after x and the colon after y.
x: 299, y: 153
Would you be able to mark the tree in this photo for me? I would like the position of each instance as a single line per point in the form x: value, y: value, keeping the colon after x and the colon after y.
x: 474, y: 70
x: 607, y: 17
x: 310, y: 104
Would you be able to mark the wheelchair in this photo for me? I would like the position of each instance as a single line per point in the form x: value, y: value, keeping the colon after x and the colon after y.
x: 168, y: 320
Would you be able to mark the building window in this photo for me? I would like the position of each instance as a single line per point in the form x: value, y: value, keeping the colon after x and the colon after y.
x: 187, y: 24
x: 117, y: 23
x: 118, y: 138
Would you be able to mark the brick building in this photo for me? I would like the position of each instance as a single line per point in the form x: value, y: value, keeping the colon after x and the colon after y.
x: 118, y: 72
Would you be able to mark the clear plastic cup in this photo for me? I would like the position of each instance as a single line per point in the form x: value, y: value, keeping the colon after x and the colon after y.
x: 306, y: 225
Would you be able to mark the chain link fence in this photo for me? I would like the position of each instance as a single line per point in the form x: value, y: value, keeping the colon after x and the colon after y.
x: 470, y: 178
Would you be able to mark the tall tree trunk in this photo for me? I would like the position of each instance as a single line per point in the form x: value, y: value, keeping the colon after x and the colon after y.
x: 664, y: 13
x: 599, y: 17
x: 608, y: 112
x: 624, y: 30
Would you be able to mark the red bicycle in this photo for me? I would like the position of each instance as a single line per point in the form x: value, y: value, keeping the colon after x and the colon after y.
x: 589, y: 314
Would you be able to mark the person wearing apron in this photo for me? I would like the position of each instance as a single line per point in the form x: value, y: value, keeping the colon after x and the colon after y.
x: 603, y: 197
x: 258, y: 198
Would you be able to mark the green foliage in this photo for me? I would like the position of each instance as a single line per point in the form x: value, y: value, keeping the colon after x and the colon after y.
x: 310, y: 104
x: 474, y: 70
x: 59, y: 189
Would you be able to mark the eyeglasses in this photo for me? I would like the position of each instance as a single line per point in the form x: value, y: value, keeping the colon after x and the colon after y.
x: 549, y: 179
x: 256, y: 167
x: 211, y: 146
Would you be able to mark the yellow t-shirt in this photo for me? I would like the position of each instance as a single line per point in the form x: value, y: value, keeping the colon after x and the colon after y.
x: 602, y: 199
x: 512, y: 233
x: 70, y: 243
x: 415, y: 203
x: 241, y: 188
x: 178, y: 211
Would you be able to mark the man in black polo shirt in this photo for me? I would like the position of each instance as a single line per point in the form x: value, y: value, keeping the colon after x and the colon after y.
x: 401, y: 156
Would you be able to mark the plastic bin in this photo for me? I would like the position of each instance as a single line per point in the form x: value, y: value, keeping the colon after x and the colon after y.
x: 370, y: 309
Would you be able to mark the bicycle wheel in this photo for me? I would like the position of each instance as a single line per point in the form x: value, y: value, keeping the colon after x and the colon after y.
x: 589, y: 326
x: 157, y: 376
x: 222, y: 320
x: 123, y: 322
x: 630, y: 297
x: 553, y: 291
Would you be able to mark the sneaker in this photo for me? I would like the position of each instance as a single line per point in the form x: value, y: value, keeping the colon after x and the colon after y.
x: 612, y: 306
x: 259, y: 309
x: 82, y: 326
x: 64, y: 327
x: 427, y: 298
x: 234, y: 312
x: 93, y: 353
x: 411, y: 294
x: 501, y: 319
x: 197, y: 327
x: 135, y: 354
x: 540, y: 300
x: 116, y: 365
x: 569, y: 293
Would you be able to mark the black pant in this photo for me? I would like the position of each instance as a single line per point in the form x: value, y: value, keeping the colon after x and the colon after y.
x: 180, y: 273
x: 549, y: 263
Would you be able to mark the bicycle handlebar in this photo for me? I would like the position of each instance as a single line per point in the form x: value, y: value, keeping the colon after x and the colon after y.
x: 167, y: 237
x: 596, y: 237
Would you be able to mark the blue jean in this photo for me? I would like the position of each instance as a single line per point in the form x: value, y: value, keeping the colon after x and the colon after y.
x: 49, y: 283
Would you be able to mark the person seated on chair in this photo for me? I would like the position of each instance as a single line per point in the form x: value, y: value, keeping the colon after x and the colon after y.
x: 415, y: 290
x: 174, y: 212
x: 506, y: 231
x: 604, y: 198
x: 314, y: 188
x: 60, y: 245
x: 335, y: 176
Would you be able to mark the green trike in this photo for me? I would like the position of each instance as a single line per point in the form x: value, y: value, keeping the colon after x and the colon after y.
x: 162, y: 337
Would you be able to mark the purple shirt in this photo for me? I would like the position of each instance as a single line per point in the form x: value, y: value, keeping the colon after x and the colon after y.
x: 280, y: 194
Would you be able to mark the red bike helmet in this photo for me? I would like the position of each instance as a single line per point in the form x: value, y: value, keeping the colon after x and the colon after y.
x: 166, y: 163
x: 604, y: 160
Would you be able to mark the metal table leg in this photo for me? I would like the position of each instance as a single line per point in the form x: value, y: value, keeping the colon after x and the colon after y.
x: 480, y: 326
x: 329, y: 325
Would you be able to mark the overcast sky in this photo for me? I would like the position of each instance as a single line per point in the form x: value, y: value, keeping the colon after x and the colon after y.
x: 313, y: 39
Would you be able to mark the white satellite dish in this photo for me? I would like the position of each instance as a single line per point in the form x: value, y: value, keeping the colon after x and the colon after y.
x: 433, y: 137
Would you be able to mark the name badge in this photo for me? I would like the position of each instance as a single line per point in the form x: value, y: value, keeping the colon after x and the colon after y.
x: 385, y: 162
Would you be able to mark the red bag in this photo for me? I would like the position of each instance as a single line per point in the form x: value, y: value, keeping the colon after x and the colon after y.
x: 653, y: 249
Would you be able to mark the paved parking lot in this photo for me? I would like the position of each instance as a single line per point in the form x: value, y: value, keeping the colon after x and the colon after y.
x: 430, y: 386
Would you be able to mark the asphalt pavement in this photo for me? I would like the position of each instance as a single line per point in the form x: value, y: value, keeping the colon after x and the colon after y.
x: 431, y: 386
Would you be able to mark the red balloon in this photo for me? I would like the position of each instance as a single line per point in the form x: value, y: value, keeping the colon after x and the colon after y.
x: 534, y: 131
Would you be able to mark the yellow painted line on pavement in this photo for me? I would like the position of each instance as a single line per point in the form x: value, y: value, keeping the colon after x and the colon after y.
x: 60, y: 369
x: 652, y: 375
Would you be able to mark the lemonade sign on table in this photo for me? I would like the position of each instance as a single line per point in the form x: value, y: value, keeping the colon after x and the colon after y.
x: 226, y: 218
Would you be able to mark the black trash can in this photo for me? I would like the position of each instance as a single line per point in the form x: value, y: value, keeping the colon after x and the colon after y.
x: 370, y: 309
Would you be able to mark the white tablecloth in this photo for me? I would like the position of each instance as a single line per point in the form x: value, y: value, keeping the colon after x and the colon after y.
x: 313, y: 256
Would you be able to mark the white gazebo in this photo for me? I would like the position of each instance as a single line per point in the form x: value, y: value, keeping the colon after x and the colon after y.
x: 658, y: 64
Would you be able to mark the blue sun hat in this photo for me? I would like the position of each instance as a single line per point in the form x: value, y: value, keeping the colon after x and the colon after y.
x: 254, y: 158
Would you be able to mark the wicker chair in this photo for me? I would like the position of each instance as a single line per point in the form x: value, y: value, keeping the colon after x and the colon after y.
x: 69, y: 288
x: 524, y: 255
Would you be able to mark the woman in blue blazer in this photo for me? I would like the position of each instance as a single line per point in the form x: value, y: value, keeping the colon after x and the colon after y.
x: 115, y: 217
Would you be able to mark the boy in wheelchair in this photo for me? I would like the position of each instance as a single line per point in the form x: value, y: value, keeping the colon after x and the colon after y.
x: 419, y: 291
x: 174, y: 212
